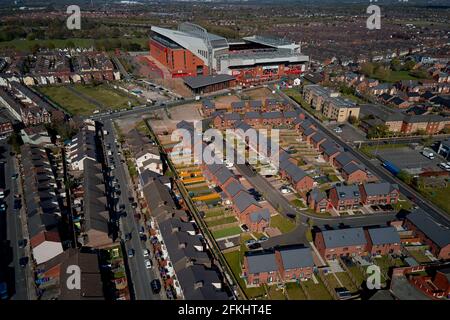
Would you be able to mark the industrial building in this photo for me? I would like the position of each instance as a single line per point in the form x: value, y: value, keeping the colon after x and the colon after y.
x: 192, y: 51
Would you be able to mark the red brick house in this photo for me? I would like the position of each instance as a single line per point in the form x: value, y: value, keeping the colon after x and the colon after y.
x: 382, y: 241
x: 379, y: 193
x: 345, y: 197
x: 208, y: 107
x: 317, y: 140
x: 341, y: 242
x: 430, y: 233
x: 342, y: 160
x: 282, y: 265
x: 244, y: 204
x: 260, y: 268
x: 296, y: 176
x: 5, y: 127
x: 294, y: 263
x: 307, y: 135
x: 354, y: 173
x: 258, y: 220
x: 329, y: 151
x: 318, y: 201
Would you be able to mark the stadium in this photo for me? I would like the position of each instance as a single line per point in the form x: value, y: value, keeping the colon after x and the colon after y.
x: 191, y: 51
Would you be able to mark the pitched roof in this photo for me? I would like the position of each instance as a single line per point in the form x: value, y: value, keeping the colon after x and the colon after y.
x: 296, y: 258
x: 380, y: 188
x: 348, y: 192
x: 318, y: 195
x: 344, y: 237
x: 261, y: 262
x: 438, y: 233
x: 386, y: 235
x: 259, y: 215
x: 352, y: 167
x: 234, y: 187
x: 344, y: 158
x: 243, y: 200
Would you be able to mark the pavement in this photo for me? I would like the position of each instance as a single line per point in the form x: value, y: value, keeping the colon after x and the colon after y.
x: 438, y: 214
x: 140, y: 275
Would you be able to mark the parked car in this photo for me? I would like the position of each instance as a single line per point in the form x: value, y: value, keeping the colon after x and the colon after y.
x: 23, y: 261
x: 143, y: 237
x: 156, y: 286
x: 263, y: 238
x: 22, y: 243
x: 146, y: 253
x: 250, y: 242
x: 130, y: 253
x: 148, y: 263
x: 128, y: 236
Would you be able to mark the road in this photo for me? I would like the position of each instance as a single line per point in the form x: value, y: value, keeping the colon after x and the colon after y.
x: 11, y: 224
x: 140, y: 275
x: 438, y: 214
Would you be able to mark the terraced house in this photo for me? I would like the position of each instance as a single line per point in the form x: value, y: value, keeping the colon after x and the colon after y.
x: 285, y: 264
x: 341, y: 242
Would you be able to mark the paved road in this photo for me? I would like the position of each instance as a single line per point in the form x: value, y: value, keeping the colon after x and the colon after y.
x: 438, y: 214
x: 141, y: 276
x: 12, y: 227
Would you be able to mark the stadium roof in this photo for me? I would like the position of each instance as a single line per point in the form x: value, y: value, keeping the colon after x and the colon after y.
x: 203, y: 81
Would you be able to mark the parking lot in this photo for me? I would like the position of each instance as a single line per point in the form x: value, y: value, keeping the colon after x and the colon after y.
x: 347, y: 132
x: 408, y: 159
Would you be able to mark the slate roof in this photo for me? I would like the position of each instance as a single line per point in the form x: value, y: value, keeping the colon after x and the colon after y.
x: 344, y: 158
x: 296, y: 258
x: 259, y: 215
x: 234, y: 187
x: 244, y: 200
x: 223, y: 175
x: 348, y: 192
x: 380, y: 188
x: 261, y: 262
x: 318, y: 195
x: 438, y: 233
x: 352, y: 167
x: 386, y: 235
x: 344, y: 237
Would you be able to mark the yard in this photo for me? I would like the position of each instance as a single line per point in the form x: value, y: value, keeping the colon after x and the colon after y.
x: 234, y: 261
x: 439, y: 196
x: 283, y: 224
x: 316, y: 291
x: 295, y: 292
x: 227, y: 232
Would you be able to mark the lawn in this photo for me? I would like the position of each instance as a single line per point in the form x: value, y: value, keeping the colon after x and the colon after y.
x: 294, y: 292
x: 316, y: 291
x: 370, y: 151
x: 283, y: 224
x: 275, y: 294
x: 419, y: 256
x: 215, y: 212
x: 227, y: 232
x: 77, y: 105
x: 395, y: 76
x: 68, y: 100
x: 298, y: 203
x: 439, y: 196
x: 110, y: 98
x: 218, y: 222
x: 234, y: 261
x: 357, y: 274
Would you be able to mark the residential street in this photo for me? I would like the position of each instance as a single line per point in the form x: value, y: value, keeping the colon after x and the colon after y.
x: 420, y: 201
x: 140, y: 275
x: 11, y: 231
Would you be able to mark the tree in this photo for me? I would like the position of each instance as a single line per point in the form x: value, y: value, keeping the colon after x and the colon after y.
x: 427, y: 141
x: 405, y: 177
x: 367, y: 68
x: 409, y: 65
x: 382, y: 73
x: 396, y: 64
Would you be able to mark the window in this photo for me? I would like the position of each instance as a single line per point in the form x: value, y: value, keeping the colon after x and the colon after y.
x: 256, y: 281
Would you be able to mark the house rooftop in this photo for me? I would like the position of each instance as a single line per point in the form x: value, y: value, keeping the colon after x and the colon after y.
x: 344, y: 237
x: 386, y: 235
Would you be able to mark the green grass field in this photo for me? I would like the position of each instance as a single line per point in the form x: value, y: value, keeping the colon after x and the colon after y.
x: 68, y: 100
x: 294, y: 292
x: 316, y: 291
x: 77, y: 105
x: 282, y: 223
x: 227, y: 232
x: 439, y: 196
x: 220, y: 221
x: 398, y: 76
